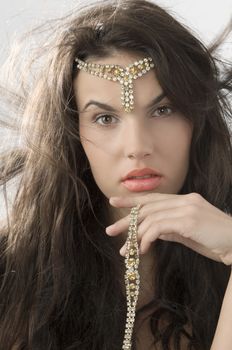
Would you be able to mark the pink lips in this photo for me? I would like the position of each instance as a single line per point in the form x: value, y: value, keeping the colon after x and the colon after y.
x: 142, y: 184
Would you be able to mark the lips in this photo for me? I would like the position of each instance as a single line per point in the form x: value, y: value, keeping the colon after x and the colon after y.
x: 139, y: 180
x: 141, y: 172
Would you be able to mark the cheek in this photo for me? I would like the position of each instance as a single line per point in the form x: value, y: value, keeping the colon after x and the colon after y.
x: 179, y: 136
x: 92, y: 133
x: 88, y: 133
x: 100, y: 163
x: 97, y: 150
x: 178, y: 146
x: 99, y: 145
x: 89, y: 139
x: 176, y: 143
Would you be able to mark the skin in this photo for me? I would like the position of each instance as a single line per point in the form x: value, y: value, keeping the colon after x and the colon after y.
x: 160, y: 139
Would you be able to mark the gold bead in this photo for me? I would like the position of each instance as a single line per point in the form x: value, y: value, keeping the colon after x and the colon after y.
x: 132, y: 286
x: 132, y: 276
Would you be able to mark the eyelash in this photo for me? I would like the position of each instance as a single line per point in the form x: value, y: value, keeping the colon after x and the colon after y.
x: 171, y: 110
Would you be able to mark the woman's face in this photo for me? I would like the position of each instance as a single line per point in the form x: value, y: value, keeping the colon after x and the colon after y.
x: 117, y: 142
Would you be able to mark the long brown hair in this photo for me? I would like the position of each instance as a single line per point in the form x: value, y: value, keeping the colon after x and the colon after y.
x: 60, y: 286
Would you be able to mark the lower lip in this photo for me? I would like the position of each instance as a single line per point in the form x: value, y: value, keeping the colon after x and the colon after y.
x: 139, y: 185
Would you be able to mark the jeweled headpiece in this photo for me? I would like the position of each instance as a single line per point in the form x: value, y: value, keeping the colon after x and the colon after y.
x: 124, y: 76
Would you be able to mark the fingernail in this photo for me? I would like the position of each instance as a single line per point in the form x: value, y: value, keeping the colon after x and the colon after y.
x: 123, y: 250
x: 109, y: 229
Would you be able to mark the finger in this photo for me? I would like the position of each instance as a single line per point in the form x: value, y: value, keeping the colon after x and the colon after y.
x: 189, y: 243
x: 181, y: 226
x: 118, y: 227
x: 122, y: 225
x: 172, y: 237
x: 152, y: 208
x: 129, y: 202
x: 122, y: 251
x: 153, y: 234
x: 167, y: 225
x: 151, y: 222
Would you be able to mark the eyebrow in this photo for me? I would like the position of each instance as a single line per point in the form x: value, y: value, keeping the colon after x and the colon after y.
x: 107, y: 107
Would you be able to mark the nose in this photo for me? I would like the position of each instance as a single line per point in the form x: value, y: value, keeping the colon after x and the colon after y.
x: 137, y: 141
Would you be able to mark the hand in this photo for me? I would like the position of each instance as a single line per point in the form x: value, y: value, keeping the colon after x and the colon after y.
x: 187, y: 219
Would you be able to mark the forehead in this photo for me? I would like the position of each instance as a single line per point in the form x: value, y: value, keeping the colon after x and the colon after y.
x: 87, y: 86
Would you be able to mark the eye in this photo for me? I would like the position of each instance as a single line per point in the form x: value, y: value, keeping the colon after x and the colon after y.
x: 164, y: 111
x: 104, y: 119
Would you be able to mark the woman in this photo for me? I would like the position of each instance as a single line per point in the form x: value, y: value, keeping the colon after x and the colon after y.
x: 127, y: 103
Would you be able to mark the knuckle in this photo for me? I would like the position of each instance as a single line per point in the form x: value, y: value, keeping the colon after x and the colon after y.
x: 194, y: 197
x: 152, y: 195
x: 158, y: 228
x: 191, y: 210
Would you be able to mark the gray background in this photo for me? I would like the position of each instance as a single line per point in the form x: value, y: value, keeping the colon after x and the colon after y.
x: 205, y: 17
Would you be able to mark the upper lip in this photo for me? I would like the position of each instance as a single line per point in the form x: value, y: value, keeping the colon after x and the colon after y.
x: 141, y: 172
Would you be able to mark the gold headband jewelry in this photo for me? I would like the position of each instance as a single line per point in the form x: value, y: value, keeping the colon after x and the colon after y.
x: 132, y: 278
x: 125, y: 76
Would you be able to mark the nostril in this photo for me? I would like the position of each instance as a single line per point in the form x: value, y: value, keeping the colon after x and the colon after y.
x: 138, y: 155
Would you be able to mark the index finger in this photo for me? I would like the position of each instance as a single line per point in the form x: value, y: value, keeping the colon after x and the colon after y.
x: 129, y: 202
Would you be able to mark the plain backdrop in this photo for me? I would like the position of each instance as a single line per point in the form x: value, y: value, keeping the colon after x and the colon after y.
x: 205, y: 17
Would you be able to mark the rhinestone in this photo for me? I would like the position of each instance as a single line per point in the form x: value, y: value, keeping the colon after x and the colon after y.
x: 133, y: 70
x: 125, y: 77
